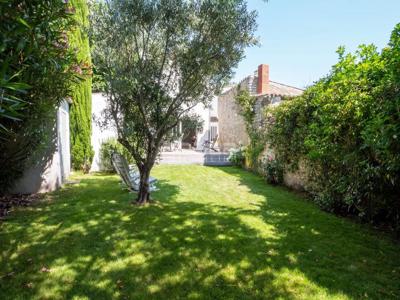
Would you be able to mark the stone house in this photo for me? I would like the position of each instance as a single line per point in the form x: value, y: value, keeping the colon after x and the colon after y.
x: 232, y: 128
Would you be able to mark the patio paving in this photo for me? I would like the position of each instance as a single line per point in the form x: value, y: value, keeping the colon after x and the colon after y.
x: 191, y: 157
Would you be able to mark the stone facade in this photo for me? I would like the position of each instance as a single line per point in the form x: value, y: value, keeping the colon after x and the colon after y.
x: 232, y: 128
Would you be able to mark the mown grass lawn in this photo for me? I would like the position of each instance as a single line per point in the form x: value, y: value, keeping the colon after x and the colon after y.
x: 214, y: 233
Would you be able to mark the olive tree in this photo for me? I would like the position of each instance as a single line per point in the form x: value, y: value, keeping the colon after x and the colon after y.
x: 158, y: 59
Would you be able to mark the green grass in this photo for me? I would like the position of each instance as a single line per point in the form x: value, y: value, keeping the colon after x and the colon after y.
x: 214, y: 233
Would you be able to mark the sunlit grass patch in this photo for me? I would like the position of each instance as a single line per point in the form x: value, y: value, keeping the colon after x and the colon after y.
x: 213, y: 233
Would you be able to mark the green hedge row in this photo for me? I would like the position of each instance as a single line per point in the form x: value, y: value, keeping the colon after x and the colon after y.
x: 346, y: 127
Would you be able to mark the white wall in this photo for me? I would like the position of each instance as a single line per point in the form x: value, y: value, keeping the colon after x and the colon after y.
x: 99, y: 134
x: 64, y: 140
x: 206, y: 113
x: 51, y: 169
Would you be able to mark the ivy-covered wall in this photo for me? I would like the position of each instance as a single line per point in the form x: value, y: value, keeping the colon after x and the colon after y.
x: 346, y: 129
x: 340, y: 139
x: 80, y: 114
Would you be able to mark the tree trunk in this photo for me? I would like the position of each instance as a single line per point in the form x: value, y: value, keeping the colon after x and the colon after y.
x: 144, y: 188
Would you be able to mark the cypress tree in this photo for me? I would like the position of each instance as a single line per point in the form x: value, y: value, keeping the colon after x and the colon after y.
x: 80, y: 113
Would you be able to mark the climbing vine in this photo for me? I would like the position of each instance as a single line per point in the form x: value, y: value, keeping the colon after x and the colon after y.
x: 246, y: 102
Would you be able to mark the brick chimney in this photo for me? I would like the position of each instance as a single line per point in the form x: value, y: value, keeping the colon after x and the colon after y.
x: 263, y: 79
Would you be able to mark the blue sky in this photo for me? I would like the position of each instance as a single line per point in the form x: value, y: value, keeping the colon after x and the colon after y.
x: 299, y: 38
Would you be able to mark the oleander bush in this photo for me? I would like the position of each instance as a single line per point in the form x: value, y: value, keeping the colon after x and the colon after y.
x: 347, y: 129
x: 37, y: 70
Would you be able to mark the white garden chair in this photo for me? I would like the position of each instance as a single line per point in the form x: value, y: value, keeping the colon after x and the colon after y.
x: 130, y: 175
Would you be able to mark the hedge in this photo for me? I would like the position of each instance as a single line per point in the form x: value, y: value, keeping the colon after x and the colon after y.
x: 346, y: 127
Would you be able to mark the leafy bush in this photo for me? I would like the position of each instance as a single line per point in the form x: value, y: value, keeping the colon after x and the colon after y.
x: 107, y: 148
x: 237, y: 156
x: 272, y: 169
x: 38, y: 68
x: 347, y: 128
x: 253, y: 152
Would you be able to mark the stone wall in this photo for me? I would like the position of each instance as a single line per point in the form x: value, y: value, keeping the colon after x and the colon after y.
x: 232, y: 129
x: 296, y: 180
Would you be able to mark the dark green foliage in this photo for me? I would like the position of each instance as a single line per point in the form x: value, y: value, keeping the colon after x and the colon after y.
x: 347, y: 128
x: 37, y: 69
x: 107, y: 148
x: 191, y: 123
x: 81, y: 108
x: 272, y: 170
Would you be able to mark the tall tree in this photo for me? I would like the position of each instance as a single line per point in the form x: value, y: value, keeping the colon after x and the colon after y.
x: 159, y: 59
x: 81, y: 109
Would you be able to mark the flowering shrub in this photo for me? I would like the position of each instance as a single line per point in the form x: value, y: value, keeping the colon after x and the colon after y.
x: 36, y: 75
x: 237, y: 156
x: 272, y: 170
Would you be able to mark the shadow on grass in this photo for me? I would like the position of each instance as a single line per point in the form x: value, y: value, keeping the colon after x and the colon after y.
x: 335, y: 253
x: 97, y: 246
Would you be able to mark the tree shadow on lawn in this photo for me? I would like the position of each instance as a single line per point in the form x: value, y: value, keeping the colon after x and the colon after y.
x: 97, y: 246
x: 335, y: 253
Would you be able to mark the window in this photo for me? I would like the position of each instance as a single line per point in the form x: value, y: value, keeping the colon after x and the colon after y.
x: 213, y: 132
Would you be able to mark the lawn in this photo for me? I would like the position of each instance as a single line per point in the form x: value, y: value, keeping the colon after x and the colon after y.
x: 213, y: 233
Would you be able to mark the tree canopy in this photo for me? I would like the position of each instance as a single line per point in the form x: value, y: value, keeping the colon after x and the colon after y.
x: 159, y: 59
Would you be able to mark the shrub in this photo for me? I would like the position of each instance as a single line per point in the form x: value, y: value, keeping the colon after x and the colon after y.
x: 107, y: 148
x: 38, y: 68
x: 253, y: 152
x: 347, y: 128
x: 256, y: 133
x: 237, y: 156
x: 272, y: 169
